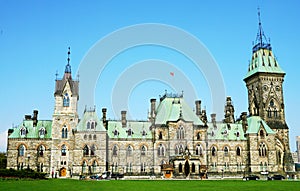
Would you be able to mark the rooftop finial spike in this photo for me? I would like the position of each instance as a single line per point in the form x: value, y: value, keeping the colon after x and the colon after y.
x: 68, y: 66
x: 261, y: 40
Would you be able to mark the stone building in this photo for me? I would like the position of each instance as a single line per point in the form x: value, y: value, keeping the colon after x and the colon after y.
x: 174, y: 139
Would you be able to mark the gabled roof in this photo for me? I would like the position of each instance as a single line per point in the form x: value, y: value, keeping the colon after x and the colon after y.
x: 263, y: 61
x: 137, y: 127
x: 173, y: 109
x: 60, y: 85
x: 255, y: 123
x: 89, y: 116
x: 33, y: 132
x: 225, y: 131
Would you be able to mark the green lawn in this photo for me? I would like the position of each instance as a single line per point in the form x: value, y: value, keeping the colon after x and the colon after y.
x: 157, y: 185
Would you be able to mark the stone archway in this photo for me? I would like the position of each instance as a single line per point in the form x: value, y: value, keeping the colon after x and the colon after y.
x: 187, y: 168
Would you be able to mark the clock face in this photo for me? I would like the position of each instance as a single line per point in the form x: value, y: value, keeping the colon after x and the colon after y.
x: 277, y: 88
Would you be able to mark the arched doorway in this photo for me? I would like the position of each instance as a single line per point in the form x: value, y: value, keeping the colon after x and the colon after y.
x: 187, y: 168
x: 63, y: 172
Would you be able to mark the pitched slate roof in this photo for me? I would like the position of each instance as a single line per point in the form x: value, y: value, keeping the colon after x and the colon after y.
x: 90, y: 115
x: 263, y: 61
x: 225, y: 131
x: 254, y: 124
x: 60, y: 85
x: 33, y: 132
x: 173, y: 108
x: 140, y: 129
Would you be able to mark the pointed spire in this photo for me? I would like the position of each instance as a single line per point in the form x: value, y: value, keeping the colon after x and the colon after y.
x: 68, y: 66
x: 261, y: 40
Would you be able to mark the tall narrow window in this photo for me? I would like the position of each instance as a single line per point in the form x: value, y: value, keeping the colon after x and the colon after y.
x: 129, y: 150
x: 193, y: 168
x: 143, y: 150
x: 93, y: 150
x: 23, y: 131
x: 226, y: 150
x: 66, y: 100
x: 64, y: 132
x: 41, y: 150
x: 160, y: 136
x: 21, y: 150
x: 85, y: 150
x: 94, y: 166
x: 180, y: 133
x: 238, y: 151
x: 115, y: 150
x: 262, y: 150
x: 161, y: 150
x: 199, y: 150
x: 180, y: 168
x: 213, y: 151
x: 63, y: 150
x: 88, y: 125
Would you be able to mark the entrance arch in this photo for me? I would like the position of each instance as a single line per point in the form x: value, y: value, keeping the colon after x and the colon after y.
x: 186, y: 168
x: 63, y: 172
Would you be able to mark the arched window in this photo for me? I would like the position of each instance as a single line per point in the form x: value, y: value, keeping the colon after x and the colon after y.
x: 143, y: 150
x: 226, y: 150
x: 41, y: 150
x: 64, y: 132
x: 95, y: 164
x: 176, y: 150
x: 199, y: 150
x: 93, y: 150
x: 21, y: 150
x: 180, y: 133
x: 261, y: 133
x: 66, y: 101
x: 198, y: 136
x: 88, y: 125
x: 63, y: 150
x: 180, y: 149
x: 90, y: 137
x: 115, y: 150
x: 161, y: 150
x: 84, y: 164
x: 213, y: 151
x: 238, y: 151
x: 93, y: 125
x: 85, y: 137
x: 129, y: 150
x: 180, y: 168
x: 95, y: 137
x: 160, y: 136
x: 262, y: 150
x: 85, y: 150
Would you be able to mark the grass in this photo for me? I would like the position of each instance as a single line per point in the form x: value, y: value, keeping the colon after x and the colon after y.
x: 140, y: 185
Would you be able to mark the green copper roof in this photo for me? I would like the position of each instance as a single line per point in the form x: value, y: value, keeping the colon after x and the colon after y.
x: 225, y: 131
x: 263, y: 61
x: 90, y: 117
x: 33, y: 132
x: 139, y: 130
x: 173, y: 109
x: 255, y: 123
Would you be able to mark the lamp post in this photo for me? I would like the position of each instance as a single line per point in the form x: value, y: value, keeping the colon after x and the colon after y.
x: 28, y: 157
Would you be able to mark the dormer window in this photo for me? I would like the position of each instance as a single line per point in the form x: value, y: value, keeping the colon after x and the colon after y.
x: 116, y: 133
x: 23, y: 131
x: 144, y: 133
x: 129, y: 132
x: 66, y: 100
x: 42, y: 132
x: 91, y: 125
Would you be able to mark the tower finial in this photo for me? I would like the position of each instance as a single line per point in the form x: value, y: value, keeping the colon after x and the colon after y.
x: 68, y: 66
x: 261, y: 40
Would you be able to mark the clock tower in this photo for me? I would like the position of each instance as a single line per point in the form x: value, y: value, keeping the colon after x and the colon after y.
x: 264, y: 81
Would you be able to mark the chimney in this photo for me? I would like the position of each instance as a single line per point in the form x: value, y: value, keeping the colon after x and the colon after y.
x: 198, y: 107
x: 104, y: 117
x: 34, y: 118
x: 152, y: 111
x: 124, y: 121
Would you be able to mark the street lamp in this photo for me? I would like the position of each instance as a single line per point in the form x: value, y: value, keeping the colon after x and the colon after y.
x: 28, y: 156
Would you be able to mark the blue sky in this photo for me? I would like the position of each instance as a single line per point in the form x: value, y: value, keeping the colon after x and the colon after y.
x: 35, y: 35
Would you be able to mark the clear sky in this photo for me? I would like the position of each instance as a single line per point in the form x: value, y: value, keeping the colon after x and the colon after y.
x: 35, y: 35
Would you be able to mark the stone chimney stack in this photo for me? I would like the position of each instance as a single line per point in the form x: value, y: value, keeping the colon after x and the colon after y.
x: 34, y: 117
x: 104, y: 110
x: 123, y: 117
x: 152, y: 110
x: 198, y: 107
